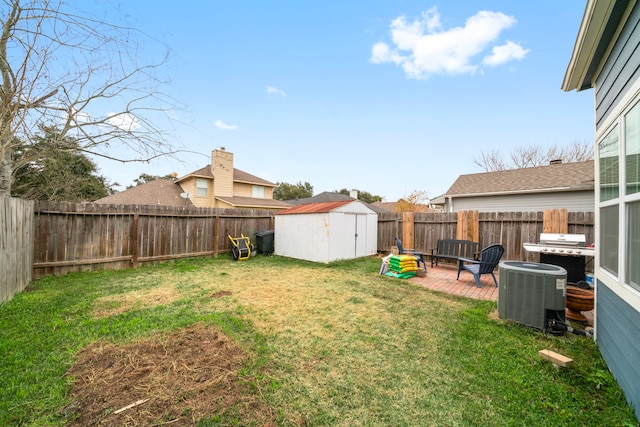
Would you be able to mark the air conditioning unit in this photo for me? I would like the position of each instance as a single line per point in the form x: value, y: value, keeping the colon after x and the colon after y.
x: 531, y: 293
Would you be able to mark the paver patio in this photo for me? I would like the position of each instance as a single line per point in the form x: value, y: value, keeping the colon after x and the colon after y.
x: 443, y: 278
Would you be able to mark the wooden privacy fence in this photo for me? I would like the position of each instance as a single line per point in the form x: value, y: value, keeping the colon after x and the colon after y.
x: 16, y: 245
x: 421, y: 231
x: 82, y: 237
x: 44, y: 238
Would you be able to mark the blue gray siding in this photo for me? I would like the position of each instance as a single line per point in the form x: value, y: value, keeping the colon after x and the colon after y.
x: 621, y: 70
x: 618, y: 333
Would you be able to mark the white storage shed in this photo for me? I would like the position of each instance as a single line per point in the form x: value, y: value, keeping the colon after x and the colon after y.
x: 325, y: 232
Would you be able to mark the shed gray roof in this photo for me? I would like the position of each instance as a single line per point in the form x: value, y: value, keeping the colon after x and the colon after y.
x: 556, y: 177
x: 162, y: 192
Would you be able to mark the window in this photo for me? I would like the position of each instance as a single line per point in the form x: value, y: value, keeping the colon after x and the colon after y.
x: 619, y: 198
x: 202, y: 187
x: 257, y: 191
x: 633, y: 245
x: 609, y: 166
x: 609, y: 238
x: 632, y: 150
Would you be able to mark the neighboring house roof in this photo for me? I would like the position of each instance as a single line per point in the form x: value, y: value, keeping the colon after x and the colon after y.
x: 385, y: 206
x: 393, y: 207
x: 323, y: 197
x: 253, y: 202
x: 238, y: 176
x: 309, y: 208
x: 555, y: 177
x: 162, y: 192
x: 327, y: 196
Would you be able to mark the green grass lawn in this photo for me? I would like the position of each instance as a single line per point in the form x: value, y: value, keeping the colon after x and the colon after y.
x: 325, y: 345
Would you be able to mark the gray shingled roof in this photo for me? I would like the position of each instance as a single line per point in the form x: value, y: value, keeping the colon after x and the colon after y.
x: 238, y: 176
x: 327, y: 196
x: 563, y: 177
x: 162, y: 192
x: 254, y: 203
x: 323, y: 197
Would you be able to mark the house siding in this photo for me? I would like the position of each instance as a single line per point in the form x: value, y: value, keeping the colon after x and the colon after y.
x: 621, y: 70
x: 618, y: 334
x: 574, y: 201
x: 617, y: 313
x: 222, y: 171
x: 243, y: 190
x: 189, y: 186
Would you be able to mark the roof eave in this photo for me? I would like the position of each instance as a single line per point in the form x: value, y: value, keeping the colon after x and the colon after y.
x: 599, y: 24
x: 264, y: 184
x: 584, y: 187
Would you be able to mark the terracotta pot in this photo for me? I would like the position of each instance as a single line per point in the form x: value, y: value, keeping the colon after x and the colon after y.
x: 578, y: 300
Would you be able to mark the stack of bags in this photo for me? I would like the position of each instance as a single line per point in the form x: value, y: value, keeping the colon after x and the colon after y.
x: 402, y: 266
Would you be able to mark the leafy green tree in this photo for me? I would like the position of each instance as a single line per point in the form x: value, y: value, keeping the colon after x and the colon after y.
x: 53, y: 168
x: 285, y: 191
x: 362, y: 196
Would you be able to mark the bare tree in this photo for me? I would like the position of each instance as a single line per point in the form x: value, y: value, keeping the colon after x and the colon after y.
x: 535, y: 155
x: 413, y: 202
x: 61, y: 67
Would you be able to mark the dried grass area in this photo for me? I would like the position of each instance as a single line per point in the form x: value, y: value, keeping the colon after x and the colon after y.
x: 113, y: 305
x: 322, y: 323
x: 172, y: 379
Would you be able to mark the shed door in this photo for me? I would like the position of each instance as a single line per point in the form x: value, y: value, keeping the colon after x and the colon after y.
x: 359, y: 233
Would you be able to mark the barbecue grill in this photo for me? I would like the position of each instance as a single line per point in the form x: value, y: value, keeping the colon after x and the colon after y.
x: 561, y: 244
x: 565, y: 250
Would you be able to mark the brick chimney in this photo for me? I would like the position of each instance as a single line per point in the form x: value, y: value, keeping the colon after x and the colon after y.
x: 222, y: 171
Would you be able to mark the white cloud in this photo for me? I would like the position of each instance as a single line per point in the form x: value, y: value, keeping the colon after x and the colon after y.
x: 124, y: 121
x: 275, y: 91
x: 505, y: 53
x: 221, y: 125
x: 423, y: 47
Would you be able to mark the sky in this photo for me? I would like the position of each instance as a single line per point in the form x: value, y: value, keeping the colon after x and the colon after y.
x: 387, y: 97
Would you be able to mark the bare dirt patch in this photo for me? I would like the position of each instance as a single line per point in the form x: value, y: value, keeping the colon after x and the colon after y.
x: 176, y: 379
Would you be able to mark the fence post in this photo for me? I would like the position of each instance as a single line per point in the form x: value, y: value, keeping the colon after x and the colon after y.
x: 134, y: 243
x: 408, y: 230
x: 216, y: 234
x: 555, y: 221
x: 468, y: 226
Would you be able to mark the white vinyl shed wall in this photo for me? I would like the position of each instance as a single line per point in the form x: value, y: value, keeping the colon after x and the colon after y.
x: 347, y: 232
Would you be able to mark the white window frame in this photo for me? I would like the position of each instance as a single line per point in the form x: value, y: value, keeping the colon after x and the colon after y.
x: 258, y: 191
x: 617, y: 283
x: 202, y: 184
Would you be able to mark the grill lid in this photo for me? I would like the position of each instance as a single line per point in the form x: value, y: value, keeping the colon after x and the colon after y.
x: 558, y: 239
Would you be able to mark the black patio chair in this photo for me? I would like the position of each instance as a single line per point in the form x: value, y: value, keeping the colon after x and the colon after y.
x: 489, y: 259
x: 404, y: 251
